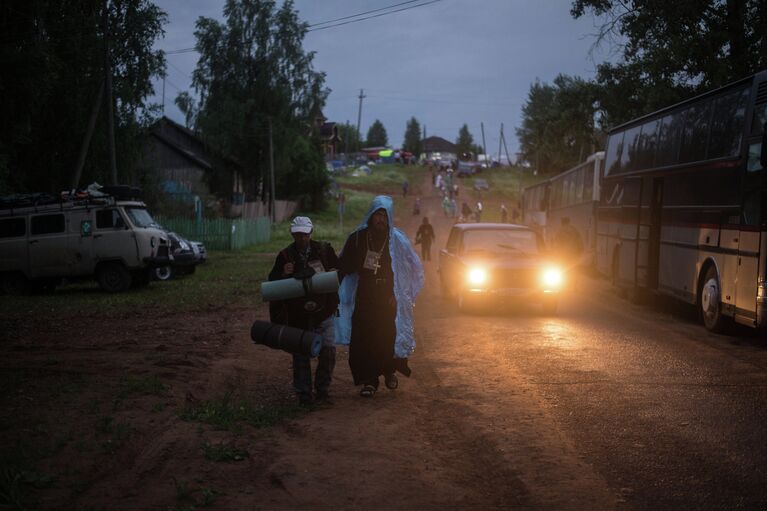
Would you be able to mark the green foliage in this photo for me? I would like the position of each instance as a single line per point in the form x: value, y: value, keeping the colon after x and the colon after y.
x: 557, y: 128
x: 673, y: 50
x: 253, y: 75
x: 53, y: 70
x: 224, y: 452
x: 412, y: 142
x: 377, y: 135
x: 228, y: 411
x: 464, y: 143
x: 306, y: 178
x: 350, y: 138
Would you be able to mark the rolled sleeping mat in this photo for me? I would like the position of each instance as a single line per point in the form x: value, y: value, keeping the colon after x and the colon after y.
x: 319, y: 283
x: 286, y: 338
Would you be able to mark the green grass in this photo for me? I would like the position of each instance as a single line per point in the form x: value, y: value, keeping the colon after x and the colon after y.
x: 228, y: 278
x: 144, y: 386
x: 387, y: 177
x: 229, y: 412
x: 223, y: 452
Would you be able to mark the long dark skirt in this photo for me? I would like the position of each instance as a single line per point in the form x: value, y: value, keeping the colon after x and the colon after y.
x: 371, y: 351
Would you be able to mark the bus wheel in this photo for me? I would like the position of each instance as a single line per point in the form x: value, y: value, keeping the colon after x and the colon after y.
x: 710, y: 301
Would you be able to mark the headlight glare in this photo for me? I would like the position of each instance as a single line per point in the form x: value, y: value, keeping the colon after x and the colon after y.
x: 477, y: 276
x: 552, y: 278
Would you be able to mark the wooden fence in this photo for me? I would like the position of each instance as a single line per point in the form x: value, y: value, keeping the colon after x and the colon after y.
x: 221, y: 233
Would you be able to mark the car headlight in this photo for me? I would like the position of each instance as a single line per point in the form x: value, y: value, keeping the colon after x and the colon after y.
x: 552, y: 278
x: 477, y: 276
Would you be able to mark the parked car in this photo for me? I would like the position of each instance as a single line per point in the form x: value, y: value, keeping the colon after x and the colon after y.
x: 186, y: 256
x: 481, y: 184
x: 486, y: 263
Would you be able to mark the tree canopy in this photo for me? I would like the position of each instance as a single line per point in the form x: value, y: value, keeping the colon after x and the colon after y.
x: 412, y: 141
x: 557, y: 129
x: 252, y: 73
x: 53, y: 55
x: 464, y: 144
x: 672, y: 50
x: 377, y: 135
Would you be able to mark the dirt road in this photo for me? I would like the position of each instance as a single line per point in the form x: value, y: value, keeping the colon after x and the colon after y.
x: 608, y: 405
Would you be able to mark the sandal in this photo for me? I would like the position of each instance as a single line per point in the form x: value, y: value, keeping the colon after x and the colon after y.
x: 368, y: 391
x: 391, y: 381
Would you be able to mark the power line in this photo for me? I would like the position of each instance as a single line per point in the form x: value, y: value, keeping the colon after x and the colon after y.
x: 191, y: 49
x: 375, y: 16
x: 362, y: 13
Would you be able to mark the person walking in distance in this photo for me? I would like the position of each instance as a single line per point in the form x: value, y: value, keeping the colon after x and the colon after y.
x: 383, y: 276
x: 301, y: 259
x: 425, y: 236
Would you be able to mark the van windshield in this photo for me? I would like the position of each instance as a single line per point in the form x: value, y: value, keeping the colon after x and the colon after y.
x: 140, y: 217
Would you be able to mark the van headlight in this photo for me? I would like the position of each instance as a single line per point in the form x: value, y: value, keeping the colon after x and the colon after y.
x: 552, y: 278
x: 477, y: 276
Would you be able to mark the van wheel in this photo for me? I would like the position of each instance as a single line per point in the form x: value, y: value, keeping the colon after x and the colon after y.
x: 114, y: 278
x: 710, y: 301
x: 14, y: 284
x: 163, y: 273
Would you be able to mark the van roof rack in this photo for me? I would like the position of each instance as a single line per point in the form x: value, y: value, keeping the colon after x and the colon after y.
x: 98, y: 196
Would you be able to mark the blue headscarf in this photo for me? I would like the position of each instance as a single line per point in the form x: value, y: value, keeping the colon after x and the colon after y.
x: 408, y: 281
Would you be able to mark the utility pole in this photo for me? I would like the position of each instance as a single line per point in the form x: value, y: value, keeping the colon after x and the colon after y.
x: 424, y: 140
x: 272, y: 207
x: 359, y: 116
x: 506, y: 148
x: 346, y: 143
x: 163, y: 94
x: 484, y: 147
x: 88, y: 134
x: 500, y: 140
x: 109, y: 100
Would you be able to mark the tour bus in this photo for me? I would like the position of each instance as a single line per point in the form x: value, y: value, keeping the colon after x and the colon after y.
x: 573, y: 199
x: 535, y: 200
x: 684, y: 202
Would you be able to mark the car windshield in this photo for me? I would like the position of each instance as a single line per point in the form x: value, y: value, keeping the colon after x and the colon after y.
x: 140, y: 217
x: 500, y: 241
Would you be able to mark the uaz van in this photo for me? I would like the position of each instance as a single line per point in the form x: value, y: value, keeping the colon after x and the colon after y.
x: 111, y: 237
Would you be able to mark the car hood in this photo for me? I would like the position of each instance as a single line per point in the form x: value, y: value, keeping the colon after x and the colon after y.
x: 505, y: 263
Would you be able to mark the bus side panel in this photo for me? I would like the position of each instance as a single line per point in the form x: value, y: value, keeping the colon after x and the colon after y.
x: 727, y: 262
x: 678, y: 261
x: 746, y: 285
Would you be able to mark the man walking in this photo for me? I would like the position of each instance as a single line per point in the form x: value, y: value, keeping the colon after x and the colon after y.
x: 383, y: 276
x: 302, y: 259
x: 425, y: 236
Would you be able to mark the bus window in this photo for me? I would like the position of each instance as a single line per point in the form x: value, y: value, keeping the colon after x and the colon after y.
x: 754, y: 155
x: 629, y: 153
x: 648, y: 144
x: 588, y: 184
x: 752, y: 209
x: 695, y: 133
x: 727, y: 124
x: 614, y: 149
x: 668, y: 139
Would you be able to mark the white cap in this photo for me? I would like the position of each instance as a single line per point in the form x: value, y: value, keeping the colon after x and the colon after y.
x: 301, y: 224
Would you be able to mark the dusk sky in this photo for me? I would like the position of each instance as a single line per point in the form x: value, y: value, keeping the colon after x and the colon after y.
x: 446, y: 62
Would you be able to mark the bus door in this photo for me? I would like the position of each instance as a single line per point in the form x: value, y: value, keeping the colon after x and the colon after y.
x: 749, y: 248
x: 653, y: 239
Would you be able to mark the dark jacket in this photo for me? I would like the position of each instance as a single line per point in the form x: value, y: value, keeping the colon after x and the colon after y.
x: 309, y: 311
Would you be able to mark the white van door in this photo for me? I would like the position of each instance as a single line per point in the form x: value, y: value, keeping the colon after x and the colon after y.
x: 48, y: 245
x: 113, y: 239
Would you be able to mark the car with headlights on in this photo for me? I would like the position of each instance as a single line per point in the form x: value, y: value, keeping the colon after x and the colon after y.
x: 484, y: 264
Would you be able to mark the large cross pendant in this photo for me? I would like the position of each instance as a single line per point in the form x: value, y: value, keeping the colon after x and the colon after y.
x: 376, y: 265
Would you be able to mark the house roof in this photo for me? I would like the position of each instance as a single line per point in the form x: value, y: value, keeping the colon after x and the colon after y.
x: 196, y: 151
x: 438, y: 144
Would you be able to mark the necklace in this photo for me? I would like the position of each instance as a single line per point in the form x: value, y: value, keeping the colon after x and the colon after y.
x: 373, y: 257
